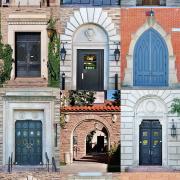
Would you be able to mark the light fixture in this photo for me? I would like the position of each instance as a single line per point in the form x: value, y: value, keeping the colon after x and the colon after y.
x: 117, y: 53
x: 173, y: 129
x: 63, y: 53
x: 150, y: 13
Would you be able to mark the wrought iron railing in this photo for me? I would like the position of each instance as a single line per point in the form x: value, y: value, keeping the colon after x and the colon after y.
x: 54, y: 167
x: 47, y: 161
x: 10, y: 163
x: 91, y: 2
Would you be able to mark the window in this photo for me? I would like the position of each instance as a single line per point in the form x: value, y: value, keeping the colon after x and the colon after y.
x: 92, y: 2
x: 150, y: 2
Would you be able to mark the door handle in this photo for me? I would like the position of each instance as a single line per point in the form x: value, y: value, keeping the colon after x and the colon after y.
x: 149, y: 152
x: 82, y: 75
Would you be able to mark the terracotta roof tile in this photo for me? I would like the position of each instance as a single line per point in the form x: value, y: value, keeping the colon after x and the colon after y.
x: 95, y: 108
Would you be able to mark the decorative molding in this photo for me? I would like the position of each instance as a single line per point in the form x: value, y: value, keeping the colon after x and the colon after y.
x: 90, y: 34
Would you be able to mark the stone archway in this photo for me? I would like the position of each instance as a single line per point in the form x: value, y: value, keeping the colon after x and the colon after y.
x: 150, y: 23
x: 150, y: 107
x: 102, y: 24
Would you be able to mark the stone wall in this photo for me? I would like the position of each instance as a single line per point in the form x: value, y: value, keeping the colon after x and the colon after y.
x: 72, y: 19
x: 138, y: 105
x: 2, y: 92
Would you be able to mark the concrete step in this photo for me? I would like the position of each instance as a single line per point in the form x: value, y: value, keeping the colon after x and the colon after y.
x: 26, y: 82
x: 149, y: 169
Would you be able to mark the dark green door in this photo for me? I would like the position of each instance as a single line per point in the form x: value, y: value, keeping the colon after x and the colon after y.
x: 150, y: 143
x: 28, y: 142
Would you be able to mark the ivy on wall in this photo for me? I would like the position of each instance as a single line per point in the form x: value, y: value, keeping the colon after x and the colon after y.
x: 175, y: 106
x: 5, y: 60
x: 53, y: 59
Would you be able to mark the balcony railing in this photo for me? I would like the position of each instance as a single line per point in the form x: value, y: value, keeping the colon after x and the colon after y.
x: 91, y: 2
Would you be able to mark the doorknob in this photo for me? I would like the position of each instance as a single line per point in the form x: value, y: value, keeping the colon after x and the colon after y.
x: 82, y: 75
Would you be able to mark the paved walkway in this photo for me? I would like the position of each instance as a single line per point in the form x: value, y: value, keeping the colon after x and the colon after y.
x: 150, y: 176
x: 79, y: 166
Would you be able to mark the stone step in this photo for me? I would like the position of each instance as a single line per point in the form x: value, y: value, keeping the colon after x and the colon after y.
x: 91, y: 176
x: 149, y: 169
x: 27, y: 82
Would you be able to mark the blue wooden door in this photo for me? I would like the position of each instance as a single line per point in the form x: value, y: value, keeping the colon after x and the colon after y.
x: 150, y: 60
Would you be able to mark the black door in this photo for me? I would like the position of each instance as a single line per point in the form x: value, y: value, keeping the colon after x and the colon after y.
x: 100, y: 143
x: 28, y: 54
x: 28, y: 142
x: 90, y: 70
x: 150, y: 144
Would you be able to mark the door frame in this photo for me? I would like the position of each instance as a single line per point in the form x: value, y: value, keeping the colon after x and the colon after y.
x: 9, y: 125
x: 101, y: 64
x: 37, y: 27
x: 140, y: 136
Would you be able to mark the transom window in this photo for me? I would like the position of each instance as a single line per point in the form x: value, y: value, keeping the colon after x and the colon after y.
x: 151, y: 2
x: 92, y: 2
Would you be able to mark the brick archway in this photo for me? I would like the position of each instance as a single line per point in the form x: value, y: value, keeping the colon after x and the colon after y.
x: 85, y: 122
x: 82, y: 130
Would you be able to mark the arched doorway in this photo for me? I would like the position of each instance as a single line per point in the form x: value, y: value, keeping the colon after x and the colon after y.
x: 90, y: 47
x: 97, y: 142
x: 90, y: 141
x: 150, y: 60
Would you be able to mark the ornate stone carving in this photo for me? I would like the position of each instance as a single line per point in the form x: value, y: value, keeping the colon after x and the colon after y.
x: 89, y: 33
x: 150, y: 106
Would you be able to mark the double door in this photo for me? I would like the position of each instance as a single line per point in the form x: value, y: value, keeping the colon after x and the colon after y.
x: 28, y: 54
x: 28, y: 142
x: 150, y: 143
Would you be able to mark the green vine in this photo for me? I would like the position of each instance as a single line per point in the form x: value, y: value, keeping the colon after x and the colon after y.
x: 53, y: 60
x: 62, y: 120
x: 5, y: 60
x: 175, y: 106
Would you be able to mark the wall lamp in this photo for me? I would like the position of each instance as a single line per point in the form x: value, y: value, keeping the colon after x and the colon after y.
x: 63, y: 52
x: 117, y: 52
x: 173, y: 129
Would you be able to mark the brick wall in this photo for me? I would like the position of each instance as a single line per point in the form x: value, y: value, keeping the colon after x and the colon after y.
x: 133, y: 18
x: 6, y: 11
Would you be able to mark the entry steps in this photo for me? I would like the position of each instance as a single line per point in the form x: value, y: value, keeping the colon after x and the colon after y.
x: 149, y: 169
x: 91, y: 176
